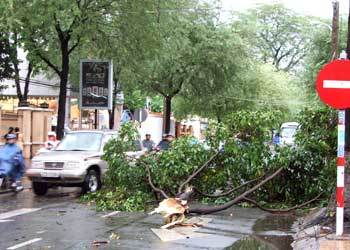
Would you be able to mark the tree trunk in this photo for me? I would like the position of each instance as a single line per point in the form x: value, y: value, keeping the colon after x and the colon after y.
x: 167, y: 114
x: 63, y: 90
x: 111, y: 116
x: 27, y: 80
x: 335, y: 31
x: 15, y: 63
x: 18, y: 85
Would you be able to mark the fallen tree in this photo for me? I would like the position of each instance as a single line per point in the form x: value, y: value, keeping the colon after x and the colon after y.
x: 247, y: 170
x: 185, y: 195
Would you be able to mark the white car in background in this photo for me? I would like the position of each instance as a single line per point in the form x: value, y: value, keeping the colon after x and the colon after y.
x: 288, y: 131
x: 76, y: 161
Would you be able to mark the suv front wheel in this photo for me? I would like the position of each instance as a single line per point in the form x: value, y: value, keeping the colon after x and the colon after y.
x: 40, y: 188
x: 92, y: 182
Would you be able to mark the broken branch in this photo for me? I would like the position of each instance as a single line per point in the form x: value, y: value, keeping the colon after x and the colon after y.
x: 195, y: 173
x: 286, y: 210
x: 149, y: 177
x: 237, y: 199
x: 228, y: 192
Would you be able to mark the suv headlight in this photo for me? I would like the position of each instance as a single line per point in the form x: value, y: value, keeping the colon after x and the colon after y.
x: 37, y: 164
x: 72, y: 164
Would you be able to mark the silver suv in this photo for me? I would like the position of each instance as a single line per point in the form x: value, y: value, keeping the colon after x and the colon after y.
x: 76, y: 161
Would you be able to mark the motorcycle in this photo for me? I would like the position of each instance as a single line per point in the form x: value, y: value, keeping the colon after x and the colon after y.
x: 7, y: 184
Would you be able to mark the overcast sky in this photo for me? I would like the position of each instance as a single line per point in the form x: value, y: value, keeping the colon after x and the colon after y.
x: 321, y: 8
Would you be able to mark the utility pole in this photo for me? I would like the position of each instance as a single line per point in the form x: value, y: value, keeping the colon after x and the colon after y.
x: 335, y: 31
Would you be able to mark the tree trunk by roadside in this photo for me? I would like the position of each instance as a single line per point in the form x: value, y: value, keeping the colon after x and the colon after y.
x: 63, y: 89
x: 167, y: 113
x: 111, y: 116
x: 27, y: 81
x: 335, y: 31
x: 21, y: 95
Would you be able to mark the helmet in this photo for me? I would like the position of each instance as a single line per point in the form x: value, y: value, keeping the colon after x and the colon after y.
x: 51, y: 133
x: 11, y: 136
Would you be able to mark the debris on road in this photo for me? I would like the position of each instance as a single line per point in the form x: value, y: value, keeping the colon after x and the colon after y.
x: 96, y: 243
x: 114, y: 236
x: 181, y: 231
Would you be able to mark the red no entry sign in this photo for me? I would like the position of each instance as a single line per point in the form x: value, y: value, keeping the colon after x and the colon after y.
x: 333, y: 84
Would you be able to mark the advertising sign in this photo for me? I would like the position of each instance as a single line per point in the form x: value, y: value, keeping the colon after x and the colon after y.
x: 96, y: 84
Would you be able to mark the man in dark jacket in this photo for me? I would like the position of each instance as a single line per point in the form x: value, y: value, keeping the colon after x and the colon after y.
x: 165, y: 144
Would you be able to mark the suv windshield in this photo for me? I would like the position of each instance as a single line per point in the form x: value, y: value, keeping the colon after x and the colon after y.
x: 83, y: 141
x: 288, y: 132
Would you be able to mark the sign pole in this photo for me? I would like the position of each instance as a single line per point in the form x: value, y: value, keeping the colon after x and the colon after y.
x: 333, y: 88
x: 340, y: 174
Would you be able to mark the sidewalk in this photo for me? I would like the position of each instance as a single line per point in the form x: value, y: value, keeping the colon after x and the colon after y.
x: 332, y: 242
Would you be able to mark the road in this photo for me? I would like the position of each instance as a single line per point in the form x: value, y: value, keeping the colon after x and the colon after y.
x: 59, y: 221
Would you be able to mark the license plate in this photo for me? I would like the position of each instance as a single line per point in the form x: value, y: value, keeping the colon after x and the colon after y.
x: 50, y: 174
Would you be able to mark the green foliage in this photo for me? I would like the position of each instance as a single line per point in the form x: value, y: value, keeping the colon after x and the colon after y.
x: 119, y: 199
x: 247, y: 155
x: 125, y: 186
x: 310, y: 165
x: 5, y: 61
x: 277, y: 35
x: 253, y: 126
x: 157, y: 104
x: 320, y: 54
x: 172, y: 167
x: 118, y: 164
x: 134, y: 99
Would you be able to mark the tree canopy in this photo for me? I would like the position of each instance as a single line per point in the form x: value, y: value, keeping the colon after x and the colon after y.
x: 277, y: 35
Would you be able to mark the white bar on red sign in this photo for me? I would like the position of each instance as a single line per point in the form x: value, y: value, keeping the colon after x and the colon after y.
x: 334, y: 84
x: 340, y: 176
x: 340, y: 221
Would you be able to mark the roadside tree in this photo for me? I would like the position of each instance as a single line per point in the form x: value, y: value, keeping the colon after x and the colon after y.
x: 53, y: 34
x: 277, y: 35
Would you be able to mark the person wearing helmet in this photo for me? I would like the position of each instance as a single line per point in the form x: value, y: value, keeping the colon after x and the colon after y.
x: 12, y: 162
x: 52, y: 141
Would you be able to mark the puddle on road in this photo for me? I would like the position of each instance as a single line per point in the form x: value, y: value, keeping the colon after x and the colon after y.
x: 270, y: 233
x: 263, y: 243
x: 275, y: 223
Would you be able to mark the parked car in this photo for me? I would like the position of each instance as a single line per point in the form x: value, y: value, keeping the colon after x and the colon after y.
x: 76, y: 161
x: 288, y: 131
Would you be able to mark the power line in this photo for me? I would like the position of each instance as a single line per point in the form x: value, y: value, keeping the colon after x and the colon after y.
x: 40, y: 83
x: 43, y: 84
x: 275, y: 102
x: 267, y: 101
x: 168, y: 10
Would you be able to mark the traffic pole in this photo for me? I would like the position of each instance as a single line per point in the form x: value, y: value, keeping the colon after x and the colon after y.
x: 340, y: 174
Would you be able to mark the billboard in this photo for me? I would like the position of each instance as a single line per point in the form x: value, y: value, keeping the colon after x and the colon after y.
x: 96, y: 84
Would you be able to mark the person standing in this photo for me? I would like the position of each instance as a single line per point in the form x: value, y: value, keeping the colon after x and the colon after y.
x: 52, y: 142
x: 126, y: 115
x: 165, y: 144
x: 148, y: 143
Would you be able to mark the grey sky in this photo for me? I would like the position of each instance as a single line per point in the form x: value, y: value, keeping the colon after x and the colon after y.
x: 321, y: 8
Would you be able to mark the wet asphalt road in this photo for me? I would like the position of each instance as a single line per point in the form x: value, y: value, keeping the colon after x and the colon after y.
x: 59, y: 221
